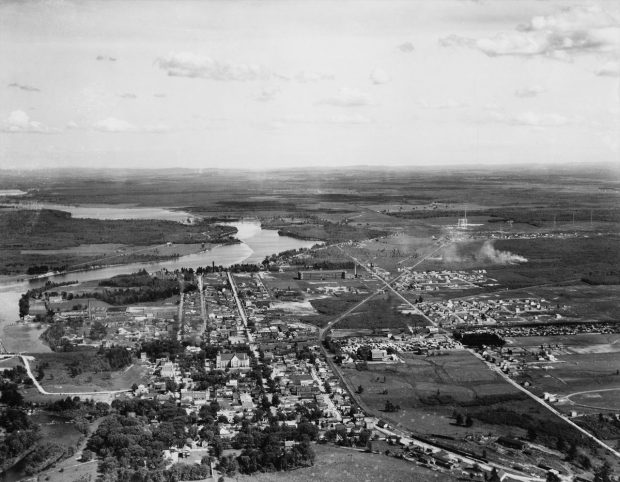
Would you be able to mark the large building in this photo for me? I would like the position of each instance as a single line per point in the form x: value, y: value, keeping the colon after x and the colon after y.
x: 232, y: 360
x: 322, y: 274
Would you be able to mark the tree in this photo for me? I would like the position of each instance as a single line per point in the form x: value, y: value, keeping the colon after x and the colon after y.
x: 468, y: 421
x: 11, y: 397
x: 552, y: 477
x: 458, y: 419
x: 360, y: 389
x: 87, y: 455
x: 24, y: 305
x: 603, y: 473
x: 531, y: 434
x: 572, y: 452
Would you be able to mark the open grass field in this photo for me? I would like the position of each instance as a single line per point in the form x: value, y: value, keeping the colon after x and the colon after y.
x: 584, y: 343
x: 347, y: 465
x: 455, y: 378
x: 57, y: 377
x: 576, y: 373
x: 21, y: 337
x: 381, y: 312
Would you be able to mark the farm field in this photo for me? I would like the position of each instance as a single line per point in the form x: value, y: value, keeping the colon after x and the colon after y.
x: 455, y: 377
x: 350, y: 465
x: 428, y: 389
x: 577, y: 373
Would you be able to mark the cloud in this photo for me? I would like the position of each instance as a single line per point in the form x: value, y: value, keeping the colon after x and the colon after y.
x: 406, y: 47
x: 27, y: 88
x: 609, y: 69
x: 114, y: 125
x: 448, y: 103
x: 306, y: 77
x: 348, y: 98
x: 71, y: 125
x: 530, y: 91
x: 128, y: 95
x: 574, y: 29
x: 187, y: 64
x: 19, y: 122
x: 106, y: 57
x: 529, y: 118
x: 337, y: 119
x: 379, y: 76
x: 268, y: 94
x: 457, y: 41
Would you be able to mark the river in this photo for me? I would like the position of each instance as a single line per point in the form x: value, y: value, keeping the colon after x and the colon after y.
x: 256, y: 243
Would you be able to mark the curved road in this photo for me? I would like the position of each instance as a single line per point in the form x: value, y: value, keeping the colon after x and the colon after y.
x: 42, y: 390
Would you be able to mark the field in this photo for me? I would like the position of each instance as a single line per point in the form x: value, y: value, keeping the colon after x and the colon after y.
x: 578, y: 373
x: 349, y: 465
x: 428, y: 389
x: 57, y: 377
x: 575, y: 344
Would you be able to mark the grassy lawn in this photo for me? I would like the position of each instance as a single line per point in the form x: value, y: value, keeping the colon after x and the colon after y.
x: 345, y: 465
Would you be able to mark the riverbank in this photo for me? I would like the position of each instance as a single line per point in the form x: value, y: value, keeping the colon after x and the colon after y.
x: 252, y: 245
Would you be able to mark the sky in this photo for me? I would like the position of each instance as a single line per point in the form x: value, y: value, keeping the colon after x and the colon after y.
x: 274, y: 83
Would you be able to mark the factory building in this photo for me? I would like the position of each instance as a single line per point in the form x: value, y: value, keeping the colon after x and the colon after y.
x: 322, y: 274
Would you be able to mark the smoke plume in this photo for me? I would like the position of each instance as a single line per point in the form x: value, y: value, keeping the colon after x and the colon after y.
x: 485, y: 254
x: 489, y: 253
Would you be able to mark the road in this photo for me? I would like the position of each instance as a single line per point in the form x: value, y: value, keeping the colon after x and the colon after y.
x: 242, y: 314
x: 42, y: 390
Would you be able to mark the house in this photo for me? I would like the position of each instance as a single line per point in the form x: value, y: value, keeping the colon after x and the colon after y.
x: 232, y: 360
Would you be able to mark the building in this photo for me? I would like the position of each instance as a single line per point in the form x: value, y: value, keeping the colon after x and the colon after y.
x: 168, y: 370
x: 378, y: 355
x: 322, y: 274
x: 232, y: 360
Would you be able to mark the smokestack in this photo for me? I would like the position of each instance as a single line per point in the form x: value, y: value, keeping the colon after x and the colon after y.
x: 213, y: 265
x: 355, y: 270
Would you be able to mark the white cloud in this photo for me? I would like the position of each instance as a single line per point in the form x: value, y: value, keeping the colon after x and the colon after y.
x: 337, y: 119
x: 71, y: 125
x: 27, y: 88
x: 187, y: 64
x: 379, y: 76
x: 609, y: 69
x: 305, y: 77
x: 457, y: 41
x: 114, y: 125
x: 19, y: 122
x: 530, y: 91
x: 348, y: 98
x: 448, y: 103
x: 532, y: 119
x: 406, y: 47
x: 268, y: 94
x: 571, y: 30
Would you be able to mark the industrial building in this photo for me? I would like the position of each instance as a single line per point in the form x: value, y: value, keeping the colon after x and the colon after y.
x: 322, y: 274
